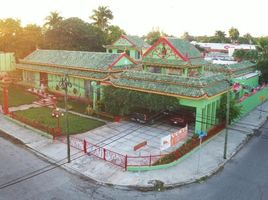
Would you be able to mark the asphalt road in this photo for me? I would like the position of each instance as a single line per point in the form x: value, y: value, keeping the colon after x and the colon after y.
x: 245, y: 177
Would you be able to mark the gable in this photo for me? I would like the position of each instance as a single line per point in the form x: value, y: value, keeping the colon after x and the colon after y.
x: 124, y: 61
x: 122, y: 42
x: 163, y: 50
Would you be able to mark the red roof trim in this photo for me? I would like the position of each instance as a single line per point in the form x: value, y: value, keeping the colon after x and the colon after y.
x: 125, y: 37
x: 120, y: 57
x: 163, y: 39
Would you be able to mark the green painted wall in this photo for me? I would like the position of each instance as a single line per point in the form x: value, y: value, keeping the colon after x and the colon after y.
x: 122, y: 42
x: 253, y: 81
x: 7, y: 62
x: 123, y: 61
x: 206, y: 111
x: 253, y: 101
x: 31, y: 79
x: 77, y: 84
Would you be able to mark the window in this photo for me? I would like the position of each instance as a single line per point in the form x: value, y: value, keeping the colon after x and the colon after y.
x: 127, y: 52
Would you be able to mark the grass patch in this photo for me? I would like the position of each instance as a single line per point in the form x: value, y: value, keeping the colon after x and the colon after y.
x: 18, y: 96
x: 77, y: 124
x: 73, y: 105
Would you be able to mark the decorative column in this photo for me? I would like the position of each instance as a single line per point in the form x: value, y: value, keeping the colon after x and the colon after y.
x: 101, y: 92
x: 204, y: 118
x: 213, y: 113
x: 185, y: 72
x: 198, y: 118
x: 5, y: 101
x: 94, y: 97
x: 4, y: 84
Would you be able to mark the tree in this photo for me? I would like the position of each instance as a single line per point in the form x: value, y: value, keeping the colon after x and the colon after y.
x: 221, y: 36
x: 154, y: 35
x: 10, y: 31
x: 239, y: 54
x: 233, y: 34
x: 262, y: 47
x: 53, y: 19
x: 262, y: 65
x: 29, y: 40
x: 246, y: 39
x: 113, y: 34
x: 187, y: 36
x: 101, y: 17
x: 235, y: 109
x: 74, y: 34
x: 121, y: 101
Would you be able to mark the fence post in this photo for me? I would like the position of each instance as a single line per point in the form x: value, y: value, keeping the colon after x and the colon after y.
x: 85, y: 146
x: 126, y: 162
x: 150, y: 162
x: 104, y: 154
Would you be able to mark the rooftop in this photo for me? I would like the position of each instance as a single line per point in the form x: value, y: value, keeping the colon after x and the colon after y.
x: 77, y: 59
x: 173, y: 85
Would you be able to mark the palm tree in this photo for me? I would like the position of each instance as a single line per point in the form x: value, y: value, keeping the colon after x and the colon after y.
x: 221, y: 35
x: 53, y: 19
x: 102, y: 16
x: 234, y: 34
x: 262, y: 47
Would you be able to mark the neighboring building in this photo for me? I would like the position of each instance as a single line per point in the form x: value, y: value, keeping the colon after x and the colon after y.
x: 242, y: 75
x: 219, y: 58
x: 134, y: 46
x: 224, y: 47
x: 7, y: 62
x: 86, y: 70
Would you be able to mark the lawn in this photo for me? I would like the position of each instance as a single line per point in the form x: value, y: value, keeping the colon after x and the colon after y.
x: 77, y: 124
x: 18, y: 96
x: 73, y: 105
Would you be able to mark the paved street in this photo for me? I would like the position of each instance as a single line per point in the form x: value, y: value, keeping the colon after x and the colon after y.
x: 245, y: 177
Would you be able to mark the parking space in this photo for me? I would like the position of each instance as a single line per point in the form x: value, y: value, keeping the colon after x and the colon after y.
x: 122, y: 137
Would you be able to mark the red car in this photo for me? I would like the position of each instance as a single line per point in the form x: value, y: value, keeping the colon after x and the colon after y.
x: 180, y: 117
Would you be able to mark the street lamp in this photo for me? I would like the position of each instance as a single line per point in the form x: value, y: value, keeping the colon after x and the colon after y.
x: 64, y: 84
x: 227, y: 118
x: 57, y: 113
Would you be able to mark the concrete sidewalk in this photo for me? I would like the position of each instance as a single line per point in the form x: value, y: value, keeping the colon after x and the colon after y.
x: 201, y: 163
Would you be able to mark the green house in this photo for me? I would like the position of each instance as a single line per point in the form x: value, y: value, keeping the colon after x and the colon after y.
x: 134, y: 46
x: 174, y: 67
x: 87, y: 71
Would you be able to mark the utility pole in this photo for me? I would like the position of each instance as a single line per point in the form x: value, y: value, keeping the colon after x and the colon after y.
x: 227, y: 120
x: 64, y: 84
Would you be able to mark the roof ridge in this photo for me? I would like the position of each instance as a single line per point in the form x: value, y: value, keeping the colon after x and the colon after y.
x: 97, y: 52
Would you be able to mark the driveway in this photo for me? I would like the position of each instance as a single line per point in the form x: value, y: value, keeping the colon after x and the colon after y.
x: 121, y: 137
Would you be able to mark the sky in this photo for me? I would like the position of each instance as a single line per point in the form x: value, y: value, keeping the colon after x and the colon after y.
x: 138, y: 17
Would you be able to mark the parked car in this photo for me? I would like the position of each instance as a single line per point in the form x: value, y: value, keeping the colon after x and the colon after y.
x: 180, y: 117
x: 145, y: 116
